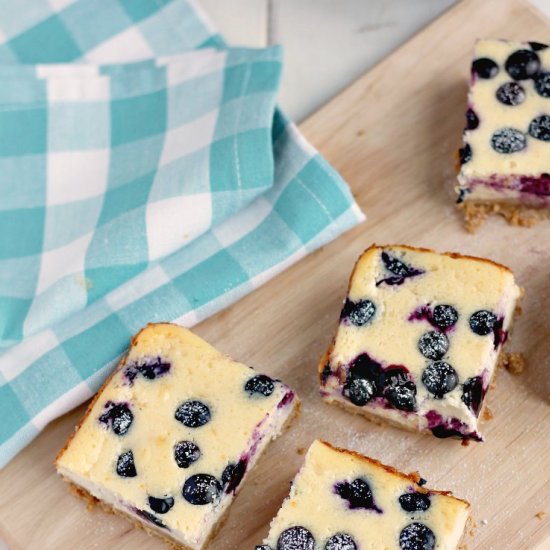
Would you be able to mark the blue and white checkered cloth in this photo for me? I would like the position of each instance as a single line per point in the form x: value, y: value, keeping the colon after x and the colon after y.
x: 140, y: 180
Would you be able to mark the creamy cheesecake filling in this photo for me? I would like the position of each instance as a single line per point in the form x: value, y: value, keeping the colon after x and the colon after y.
x: 340, y: 499
x: 506, y: 153
x: 418, y: 346
x: 174, y: 432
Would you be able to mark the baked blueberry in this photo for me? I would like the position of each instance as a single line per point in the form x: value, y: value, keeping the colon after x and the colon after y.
x: 161, y: 505
x: 472, y: 393
x: 341, y: 541
x: 444, y: 316
x: 186, y: 453
x: 151, y: 517
x: 443, y: 432
x: 472, y: 120
x: 484, y: 68
x: 358, y: 494
x: 193, y: 414
x: 439, y: 378
x: 263, y: 547
x: 125, y: 466
x: 201, y: 489
x: 482, y: 322
x: 415, y: 502
x: 118, y: 416
x: 326, y: 373
x: 359, y: 313
x: 359, y: 390
x: 149, y: 368
x: 399, y: 390
x: 259, y: 384
x: 522, y: 64
x: 542, y: 84
x: 296, y: 538
x: 433, y: 345
x: 540, y: 128
x: 465, y: 154
x: 417, y: 536
x: 537, y: 46
x: 365, y: 367
x: 398, y: 267
x: 511, y: 93
x: 233, y: 475
x: 508, y: 140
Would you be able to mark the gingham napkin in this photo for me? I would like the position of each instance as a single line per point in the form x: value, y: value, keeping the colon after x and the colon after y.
x: 139, y: 181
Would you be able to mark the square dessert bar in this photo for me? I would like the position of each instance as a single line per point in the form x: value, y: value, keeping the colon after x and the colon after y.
x: 419, y: 338
x: 341, y: 500
x: 172, y: 434
x: 505, y: 160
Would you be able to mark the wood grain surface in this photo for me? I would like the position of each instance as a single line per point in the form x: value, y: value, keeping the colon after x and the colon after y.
x: 392, y: 135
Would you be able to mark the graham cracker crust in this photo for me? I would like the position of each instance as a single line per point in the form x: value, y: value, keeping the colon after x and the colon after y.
x: 476, y: 212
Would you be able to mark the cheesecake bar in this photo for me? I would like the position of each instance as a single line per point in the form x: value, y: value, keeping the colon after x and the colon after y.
x: 505, y: 158
x: 172, y: 434
x: 341, y: 500
x: 418, y: 339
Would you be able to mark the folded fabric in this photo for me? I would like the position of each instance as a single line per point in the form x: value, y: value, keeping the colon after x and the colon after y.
x: 139, y: 181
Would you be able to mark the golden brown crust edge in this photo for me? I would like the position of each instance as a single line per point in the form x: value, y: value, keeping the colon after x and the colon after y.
x: 477, y: 212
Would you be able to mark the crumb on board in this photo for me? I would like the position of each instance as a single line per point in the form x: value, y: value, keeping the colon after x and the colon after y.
x: 484, y: 521
x: 514, y: 363
x: 540, y: 515
x: 301, y: 451
x: 487, y: 414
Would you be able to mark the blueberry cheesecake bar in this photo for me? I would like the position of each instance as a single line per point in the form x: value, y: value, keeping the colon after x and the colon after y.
x: 505, y: 158
x: 172, y: 434
x: 419, y: 338
x: 341, y: 500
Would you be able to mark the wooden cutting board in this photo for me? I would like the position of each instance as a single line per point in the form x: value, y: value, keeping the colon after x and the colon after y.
x: 392, y: 136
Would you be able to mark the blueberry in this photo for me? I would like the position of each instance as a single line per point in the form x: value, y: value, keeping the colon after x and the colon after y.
x: 359, y: 313
x: 522, y: 64
x: 415, y: 502
x: 433, y: 345
x: 161, y: 505
x: 151, y: 517
x: 399, y: 390
x: 260, y: 384
x: 472, y: 120
x: 484, y: 68
x: 542, y: 84
x: 341, y: 541
x: 465, y: 154
x: 263, y: 547
x: 508, y: 140
x: 201, y: 489
x: 443, y: 432
x: 118, y: 416
x: 326, y: 373
x: 359, y: 390
x: 125, y: 466
x: 511, y: 93
x: 482, y: 322
x: 536, y: 46
x: 186, y: 453
x: 296, y: 538
x: 358, y: 494
x: 417, y: 536
x: 193, y: 414
x: 439, y: 378
x: 398, y: 267
x: 444, y: 316
x: 540, y: 128
x: 233, y: 475
x: 472, y: 393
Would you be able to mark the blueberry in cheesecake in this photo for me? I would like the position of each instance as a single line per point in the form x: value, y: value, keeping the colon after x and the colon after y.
x: 419, y: 338
x: 505, y: 158
x: 172, y: 434
x: 341, y: 500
